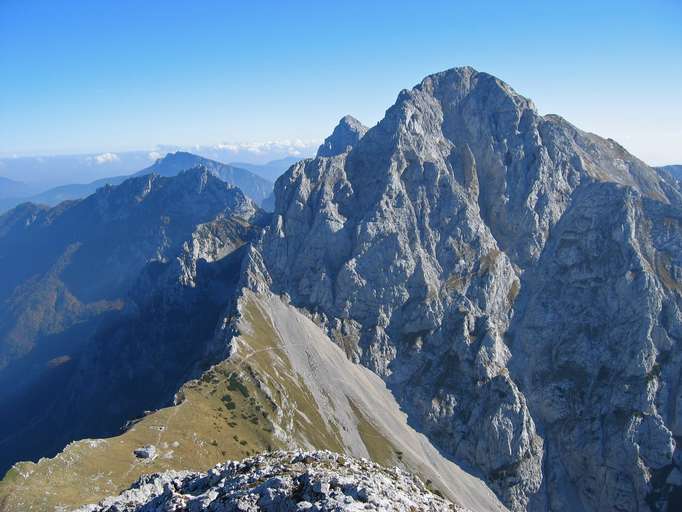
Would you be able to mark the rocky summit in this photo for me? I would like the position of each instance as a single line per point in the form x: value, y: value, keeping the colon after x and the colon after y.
x: 346, y: 134
x: 481, y: 295
x: 316, y: 481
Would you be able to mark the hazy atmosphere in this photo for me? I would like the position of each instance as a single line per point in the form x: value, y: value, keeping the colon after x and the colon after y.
x: 98, y: 77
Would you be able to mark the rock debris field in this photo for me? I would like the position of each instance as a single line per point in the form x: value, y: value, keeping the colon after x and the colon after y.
x: 280, y: 481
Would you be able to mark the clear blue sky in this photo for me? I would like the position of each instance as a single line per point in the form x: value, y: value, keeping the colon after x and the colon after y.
x: 81, y: 76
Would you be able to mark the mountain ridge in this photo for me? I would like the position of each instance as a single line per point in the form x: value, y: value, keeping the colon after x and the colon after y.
x: 93, y: 253
x: 256, y: 187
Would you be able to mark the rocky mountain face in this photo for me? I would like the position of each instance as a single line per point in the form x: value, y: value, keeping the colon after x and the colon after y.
x: 514, y: 280
x: 346, y: 134
x: 673, y: 170
x: 108, y: 303
x: 314, y: 481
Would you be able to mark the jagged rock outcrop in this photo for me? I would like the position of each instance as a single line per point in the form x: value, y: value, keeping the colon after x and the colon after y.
x: 281, y: 481
x: 346, y: 135
x: 515, y: 281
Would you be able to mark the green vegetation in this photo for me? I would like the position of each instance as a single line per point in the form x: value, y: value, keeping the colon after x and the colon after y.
x: 380, y: 449
x: 227, y: 413
x: 288, y: 394
x: 213, y: 423
x: 252, y: 402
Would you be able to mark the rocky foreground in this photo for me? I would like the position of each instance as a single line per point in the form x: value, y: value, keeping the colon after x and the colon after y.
x: 280, y: 481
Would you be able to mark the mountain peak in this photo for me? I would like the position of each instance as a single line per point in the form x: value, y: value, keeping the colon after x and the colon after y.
x: 178, y: 160
x: 346, y: 134
x: 172, y: 164
x: 456, y: 84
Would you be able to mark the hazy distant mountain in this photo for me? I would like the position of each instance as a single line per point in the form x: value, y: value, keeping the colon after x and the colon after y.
x: 12, y: 191
x: 271, y: 170
x: 49, y: 171
x: 56, y: 195
x: 252, y: 185
x: 253, y: 153
x: 44, y: 172
x: 11, y: 188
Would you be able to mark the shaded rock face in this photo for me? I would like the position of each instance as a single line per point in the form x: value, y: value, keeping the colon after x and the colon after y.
x: 280, y: 481
x: 595, y: 351
x: 163, y: 253
x: 515, y: 281
x: 90, y: 251
x: 346, y: 135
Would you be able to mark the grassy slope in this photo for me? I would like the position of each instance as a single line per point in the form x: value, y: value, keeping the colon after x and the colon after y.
x: 252, y: 402
x: 249, y: 403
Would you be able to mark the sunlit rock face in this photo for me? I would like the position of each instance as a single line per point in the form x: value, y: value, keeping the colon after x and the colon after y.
x: 515, y: 281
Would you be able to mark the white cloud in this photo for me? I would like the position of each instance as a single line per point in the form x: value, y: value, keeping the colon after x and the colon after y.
x: 105, y: 158
x: 257, y: 152
x: 292, y: 147
x: 228, y: 147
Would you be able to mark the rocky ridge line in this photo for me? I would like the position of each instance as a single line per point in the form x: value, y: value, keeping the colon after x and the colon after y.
x: 314, y: 481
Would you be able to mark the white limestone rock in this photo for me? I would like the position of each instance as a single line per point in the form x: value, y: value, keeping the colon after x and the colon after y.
x: 280, y: 481
x: 506, y: 274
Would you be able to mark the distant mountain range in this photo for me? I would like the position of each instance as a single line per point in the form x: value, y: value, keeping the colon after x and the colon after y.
x: 49, y: 171
x: 271, y: 170
x: 255, y: 180
x: 252, y: 185
x: 11, y: 188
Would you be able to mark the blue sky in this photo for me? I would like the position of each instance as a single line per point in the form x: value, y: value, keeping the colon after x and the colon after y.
x: 95, y: 76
